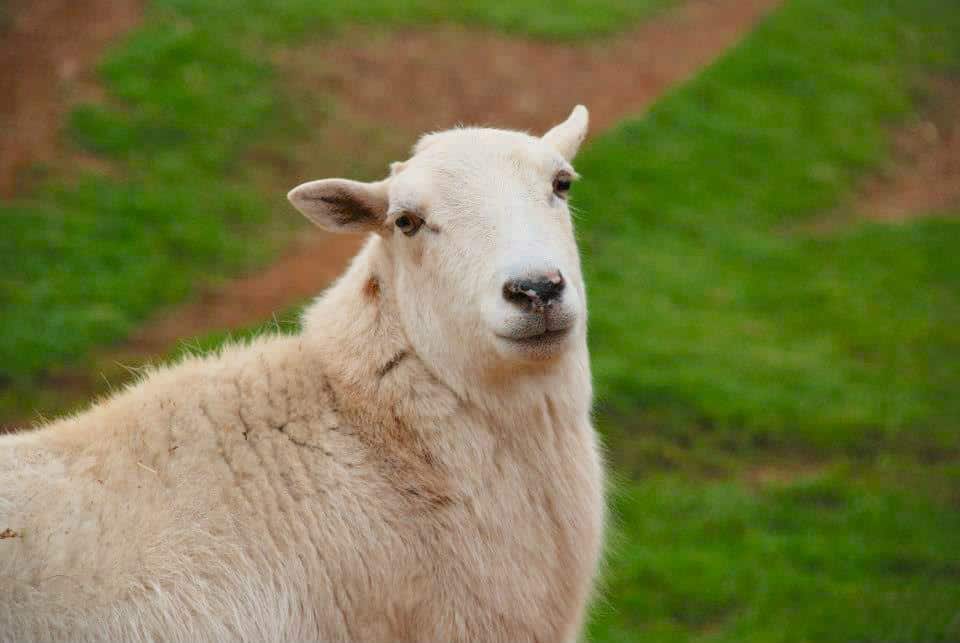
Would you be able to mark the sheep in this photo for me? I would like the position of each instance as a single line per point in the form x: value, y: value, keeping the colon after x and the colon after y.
x: 418, y: 463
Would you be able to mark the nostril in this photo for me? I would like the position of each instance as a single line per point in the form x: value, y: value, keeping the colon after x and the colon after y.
x: 540, y: 290
x: 556, y: 279
x: 515, y: 292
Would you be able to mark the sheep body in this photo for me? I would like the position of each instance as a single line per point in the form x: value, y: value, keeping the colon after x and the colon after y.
x: 321, y: 486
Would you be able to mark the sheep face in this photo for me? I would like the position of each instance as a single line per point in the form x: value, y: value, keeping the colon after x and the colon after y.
x: 477, y: 231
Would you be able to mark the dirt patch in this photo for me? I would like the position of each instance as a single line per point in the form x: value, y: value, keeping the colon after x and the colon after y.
x: 421, y: 80
x: 312, y: 262
x: 47, y: 54
x: 784, y: 473
x: 925, y: 176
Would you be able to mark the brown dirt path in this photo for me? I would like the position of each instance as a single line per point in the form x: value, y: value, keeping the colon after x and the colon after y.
x: 924, y: 177
x: 47, y: 56
x: 423, y: 80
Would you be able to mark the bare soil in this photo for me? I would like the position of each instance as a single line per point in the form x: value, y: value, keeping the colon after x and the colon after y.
x: 421, y: 80
x: 782, y: 473
x: 312, y: 262
x: 48, y: 52
x: 924, y: 178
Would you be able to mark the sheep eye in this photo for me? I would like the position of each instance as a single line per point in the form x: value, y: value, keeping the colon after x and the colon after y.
x: 561, y: 185
x: 409, y: 224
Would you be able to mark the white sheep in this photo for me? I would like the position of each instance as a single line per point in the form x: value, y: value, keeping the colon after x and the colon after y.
x: 418, y: 464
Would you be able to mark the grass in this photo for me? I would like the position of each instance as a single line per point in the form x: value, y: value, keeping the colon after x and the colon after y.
x: 784, y: 403
x: 822, y: 560
x: 86, y: 258
x: 709, y: 313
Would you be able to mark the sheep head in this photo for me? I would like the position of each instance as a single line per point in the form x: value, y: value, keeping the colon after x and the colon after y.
x: 477, y: 230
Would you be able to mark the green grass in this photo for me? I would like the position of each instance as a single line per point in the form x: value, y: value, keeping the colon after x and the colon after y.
x: 824, y: 560
x: 291, y: 18
x: 726, y: 342
x: 85, y: 259
x: 708, y: 312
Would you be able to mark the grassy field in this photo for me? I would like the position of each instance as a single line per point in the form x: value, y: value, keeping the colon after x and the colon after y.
x: 836, y: 342
x: 784, y: 404
x: 824, y: 560
x: 780, y: 406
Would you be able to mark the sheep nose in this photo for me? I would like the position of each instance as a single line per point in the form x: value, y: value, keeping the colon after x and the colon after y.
x: 538, y: 290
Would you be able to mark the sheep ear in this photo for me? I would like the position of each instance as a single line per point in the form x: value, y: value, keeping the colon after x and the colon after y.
x: 568, y: 135
x: 341, y: 205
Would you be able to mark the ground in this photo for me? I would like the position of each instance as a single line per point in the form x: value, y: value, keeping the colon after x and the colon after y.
x: 924, y: 175
x: 48, y: 53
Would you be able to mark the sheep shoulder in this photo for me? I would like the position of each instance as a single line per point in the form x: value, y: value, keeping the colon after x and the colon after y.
x: 221, y: 471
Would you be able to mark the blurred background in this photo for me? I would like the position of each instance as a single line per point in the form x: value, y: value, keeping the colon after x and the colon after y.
x: 768, y: 218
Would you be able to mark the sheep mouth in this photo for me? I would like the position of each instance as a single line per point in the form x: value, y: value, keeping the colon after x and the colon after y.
x: 537, y: 337
x: 541, y: 338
